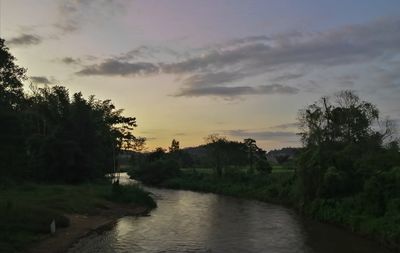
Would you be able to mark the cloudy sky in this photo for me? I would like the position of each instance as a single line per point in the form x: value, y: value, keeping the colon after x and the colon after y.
x: 189, y: 68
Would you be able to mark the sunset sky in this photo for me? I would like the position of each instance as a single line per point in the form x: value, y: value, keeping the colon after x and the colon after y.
x: 186, y: 69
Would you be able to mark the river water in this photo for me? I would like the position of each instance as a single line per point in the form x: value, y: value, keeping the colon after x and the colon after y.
x: 187, y: 221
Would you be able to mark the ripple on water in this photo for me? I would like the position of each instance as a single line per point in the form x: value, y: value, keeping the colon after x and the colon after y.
x: 194, y: 222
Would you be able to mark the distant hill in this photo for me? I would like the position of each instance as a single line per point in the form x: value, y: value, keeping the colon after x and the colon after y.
x: 198, y: 155
x: 198, y: 151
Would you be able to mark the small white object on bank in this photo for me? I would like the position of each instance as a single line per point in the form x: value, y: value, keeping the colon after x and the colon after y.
x: 53, y: 227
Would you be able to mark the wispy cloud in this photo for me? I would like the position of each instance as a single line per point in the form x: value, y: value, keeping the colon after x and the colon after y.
x: 70, y: 60
x: 234, y: 91
x: 180, y: 134
x: 220, y: 70
x: 73, y: 15
x: 347, y: 81
x: 287, y: 77
x: 25, y: 39
x: 249, y: 39
x: 212, y: 78
x: 286, y: 126
x: 147, y: 53
x: 262, y: 135
x: 42, y: 80
x: 388, y: 77
x: 112, y: 67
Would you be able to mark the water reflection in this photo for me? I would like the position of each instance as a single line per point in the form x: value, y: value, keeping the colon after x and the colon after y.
x: 193, y: 222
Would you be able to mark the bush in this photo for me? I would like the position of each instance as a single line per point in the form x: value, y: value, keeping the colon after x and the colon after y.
x: 156, y: 172
x: 335, y: 183
x: 131, y: 194
x: 263, y: 166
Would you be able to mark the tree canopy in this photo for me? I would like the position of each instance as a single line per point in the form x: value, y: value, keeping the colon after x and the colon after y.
x: 50, y: 134
x: 343, y: 147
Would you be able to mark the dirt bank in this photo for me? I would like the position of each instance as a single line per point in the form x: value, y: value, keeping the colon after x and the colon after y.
x: 82, y: 225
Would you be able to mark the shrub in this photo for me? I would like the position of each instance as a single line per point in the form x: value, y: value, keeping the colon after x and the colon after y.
x: 131, y: 194
x: 156, y: 172
x: 334, y: 183
x: 263, y: 166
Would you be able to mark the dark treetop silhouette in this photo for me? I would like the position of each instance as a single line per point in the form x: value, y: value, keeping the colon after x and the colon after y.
x: 48, y: 134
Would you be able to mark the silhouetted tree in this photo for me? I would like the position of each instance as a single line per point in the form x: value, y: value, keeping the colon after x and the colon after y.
x: 11, y: 77
x: 342, y: 147
x: 262, y: 164
x: 157, y: 154
x: 174, y: 146
x: 12, y: 101
x: 216, y: 147
x: 50, y: 135
x: 251, y: 149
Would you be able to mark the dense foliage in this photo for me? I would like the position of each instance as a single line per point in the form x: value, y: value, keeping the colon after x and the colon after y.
x: 347, y: 173
x: 51, y: 135
x: 226, y: 158
x: 157, y: 166
x: 349, y: 170
x: 344, y: 151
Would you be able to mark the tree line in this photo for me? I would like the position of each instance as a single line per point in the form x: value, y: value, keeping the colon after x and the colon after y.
x: 48, y: 134
x: 346, y: 173
x: 225, y: 157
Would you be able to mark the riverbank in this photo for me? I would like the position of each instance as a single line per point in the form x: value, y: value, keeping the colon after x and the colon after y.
x: 83, y: 225
x: 26, y: 212
x: 281, y: 188
x: 275, y: 188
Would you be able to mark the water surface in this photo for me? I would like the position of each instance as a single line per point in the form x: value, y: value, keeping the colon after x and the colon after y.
x: 187, y: 221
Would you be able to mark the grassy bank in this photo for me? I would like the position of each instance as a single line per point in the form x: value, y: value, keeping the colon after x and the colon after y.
x: 281, y: 187
x: 27, y: 210
x: 273, y: 188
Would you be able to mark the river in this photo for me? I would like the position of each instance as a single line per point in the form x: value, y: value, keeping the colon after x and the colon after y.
x: 187, y: 221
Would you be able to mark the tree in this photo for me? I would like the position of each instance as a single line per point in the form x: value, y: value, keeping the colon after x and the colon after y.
x: 251, y: 149
x: 227, y: 155
x: 262, y: 164
x: 157, y: 166
x: 11, y: 77
x: 256, y: 156
x: 217, y: 152
x: 50, y: 135
x: 12, y: 155
x: 342, y: 147
x: 75, y: 139
x: 139, y: 144
x: 174, y: 146
x: 346, y: 120
x: 157, y: 154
